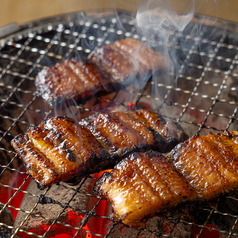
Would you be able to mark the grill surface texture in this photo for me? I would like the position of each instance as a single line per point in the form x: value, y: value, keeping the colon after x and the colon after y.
x: 198, y: 91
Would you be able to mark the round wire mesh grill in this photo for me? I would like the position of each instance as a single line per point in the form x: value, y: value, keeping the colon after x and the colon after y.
x: 199, y: 92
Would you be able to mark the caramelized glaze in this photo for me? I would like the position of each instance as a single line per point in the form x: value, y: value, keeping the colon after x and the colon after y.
x: 70, y: 79
x: 143, y: 184
x: 59, y: 150
x: 125, y: 59
x: 209, y: 163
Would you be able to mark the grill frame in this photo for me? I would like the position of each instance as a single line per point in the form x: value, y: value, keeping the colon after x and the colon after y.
x: 52, y: 40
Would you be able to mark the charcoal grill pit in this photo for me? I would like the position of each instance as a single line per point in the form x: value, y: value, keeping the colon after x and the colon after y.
x: 200, y: 93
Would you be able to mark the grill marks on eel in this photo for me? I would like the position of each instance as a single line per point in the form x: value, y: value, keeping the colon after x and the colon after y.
x: 69, y: 79
x: 209, y: 163
x: 122, y: 133
x: 68, y: 150
x: 142, y: 184
x: 125, y: 59
x: 115, y: 132
x: 59, y: 150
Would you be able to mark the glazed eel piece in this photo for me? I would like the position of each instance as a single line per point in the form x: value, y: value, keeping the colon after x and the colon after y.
x: 202, y: 168
x: 107, y: 69
x: 70, y: 81
x: 62, y: 149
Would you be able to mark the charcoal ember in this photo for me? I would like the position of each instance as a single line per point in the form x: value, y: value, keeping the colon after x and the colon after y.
x: 122, y: 231
x: 159, y: 226
x: 58, y: 202
x: 228, y: 204
x: 167, y: 226
x: 172, y: 223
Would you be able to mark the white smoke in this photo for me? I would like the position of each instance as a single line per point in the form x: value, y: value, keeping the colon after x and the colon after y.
x: 168, y: 26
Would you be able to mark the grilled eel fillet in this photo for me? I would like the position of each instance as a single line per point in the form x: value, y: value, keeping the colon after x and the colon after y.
x: 68, y: 81
x: 142, y: 184
x: 61, y: 149
x: 121, y: 133
x: 108, y: 69
x: 126, y: 58
x: 209, y: 163
x: 202, y: 168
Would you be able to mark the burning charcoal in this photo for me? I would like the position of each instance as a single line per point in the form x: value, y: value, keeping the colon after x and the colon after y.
x: 62, y: 203
x: 226, y: 205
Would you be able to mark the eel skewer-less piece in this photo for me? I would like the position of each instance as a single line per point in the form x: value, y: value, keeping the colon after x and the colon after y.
x: 125, y: 59
x: 209, y: 163
x: 142, y: 184
x: 70, y: 81
x: 108, y: 69
x: 202, y: 168
x: 122, y: 133
x: 61, y: 149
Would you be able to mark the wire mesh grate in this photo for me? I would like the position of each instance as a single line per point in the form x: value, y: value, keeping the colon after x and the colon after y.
x: 199, y: 92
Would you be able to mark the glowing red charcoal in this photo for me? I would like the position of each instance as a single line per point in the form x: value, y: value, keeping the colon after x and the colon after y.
x: 61, y: 229
x: 18, y: 182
